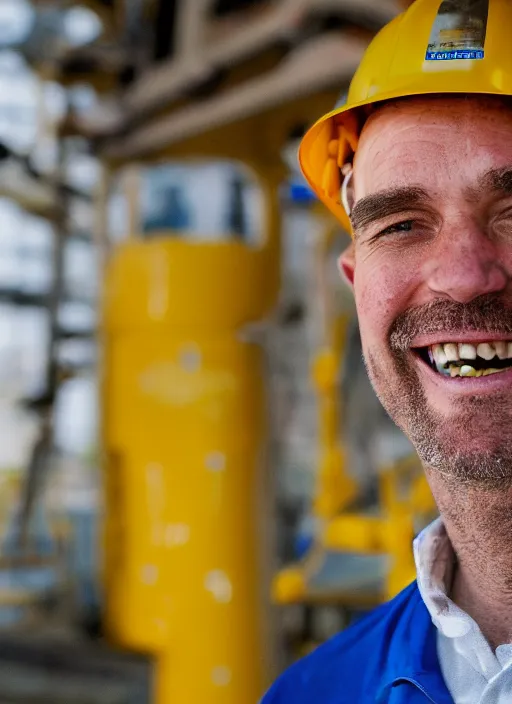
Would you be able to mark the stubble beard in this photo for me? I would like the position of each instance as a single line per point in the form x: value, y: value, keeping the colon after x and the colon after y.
x: 449, y: 446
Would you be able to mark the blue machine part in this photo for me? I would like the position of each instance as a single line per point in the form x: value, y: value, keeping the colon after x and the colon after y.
x: 300, y: 193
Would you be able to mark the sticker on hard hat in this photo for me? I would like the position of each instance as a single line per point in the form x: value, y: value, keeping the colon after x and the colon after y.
x: 459, y: 31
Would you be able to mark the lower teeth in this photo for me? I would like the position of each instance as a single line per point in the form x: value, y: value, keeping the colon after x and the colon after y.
x: 467, y: 371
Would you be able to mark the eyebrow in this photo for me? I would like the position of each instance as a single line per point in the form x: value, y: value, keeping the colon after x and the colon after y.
x: 385, y: 203
x: 398, y: 200
x: 497, y: 180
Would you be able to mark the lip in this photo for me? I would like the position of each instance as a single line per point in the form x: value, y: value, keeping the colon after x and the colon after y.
x: 473, y: 337
x: 469, y: 386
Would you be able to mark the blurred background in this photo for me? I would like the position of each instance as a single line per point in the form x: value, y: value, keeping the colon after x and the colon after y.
x: 197, y: 483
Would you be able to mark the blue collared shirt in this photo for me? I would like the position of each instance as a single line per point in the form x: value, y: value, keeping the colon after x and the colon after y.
x: 388, y: 657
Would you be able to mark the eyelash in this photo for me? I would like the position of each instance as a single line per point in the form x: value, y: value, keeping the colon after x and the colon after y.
x: 392, y: 229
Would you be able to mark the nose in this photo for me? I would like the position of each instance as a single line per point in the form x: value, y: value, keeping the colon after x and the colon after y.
x: 466, y: 264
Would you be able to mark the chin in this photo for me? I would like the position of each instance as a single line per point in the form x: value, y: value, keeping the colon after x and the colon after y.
x: 467, y: 457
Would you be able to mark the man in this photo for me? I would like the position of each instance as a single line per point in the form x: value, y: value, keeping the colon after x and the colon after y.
x: 420, y: 158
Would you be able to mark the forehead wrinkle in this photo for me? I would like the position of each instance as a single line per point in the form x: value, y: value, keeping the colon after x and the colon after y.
x: 379, y: 205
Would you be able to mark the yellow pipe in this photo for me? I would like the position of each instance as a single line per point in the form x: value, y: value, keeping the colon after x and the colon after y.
x: 335, y: 488
x: 355, y: 533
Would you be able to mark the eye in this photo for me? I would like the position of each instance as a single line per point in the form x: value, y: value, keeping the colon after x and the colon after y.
x: 405, y: 226
x: 503, y: 222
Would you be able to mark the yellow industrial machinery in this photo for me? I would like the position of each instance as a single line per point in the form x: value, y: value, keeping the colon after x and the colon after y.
x: 184, y: 410
x: 184, y: 439
x: 373, y: 546
x: 336, y: 488
x: 404, y: 497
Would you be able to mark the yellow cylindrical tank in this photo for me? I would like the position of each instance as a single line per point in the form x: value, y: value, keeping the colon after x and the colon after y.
x: 184, y: 439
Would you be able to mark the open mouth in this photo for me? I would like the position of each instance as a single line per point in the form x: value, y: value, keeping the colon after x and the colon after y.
x: 455, y: 359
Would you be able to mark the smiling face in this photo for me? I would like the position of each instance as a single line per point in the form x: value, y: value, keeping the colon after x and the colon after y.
x: 431, y: 270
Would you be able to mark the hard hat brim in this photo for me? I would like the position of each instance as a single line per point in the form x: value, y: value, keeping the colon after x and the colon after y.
x: 313, y: 148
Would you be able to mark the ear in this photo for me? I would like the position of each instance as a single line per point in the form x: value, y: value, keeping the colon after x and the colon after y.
x: 347, y: 264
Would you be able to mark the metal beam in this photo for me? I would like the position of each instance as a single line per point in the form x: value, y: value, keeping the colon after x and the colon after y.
x: 277, y: 100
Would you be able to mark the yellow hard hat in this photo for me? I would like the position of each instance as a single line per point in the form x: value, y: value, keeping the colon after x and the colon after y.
x: 453, y: 46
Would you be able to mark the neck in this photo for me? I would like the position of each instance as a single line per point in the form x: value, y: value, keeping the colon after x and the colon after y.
x: 479, y: 524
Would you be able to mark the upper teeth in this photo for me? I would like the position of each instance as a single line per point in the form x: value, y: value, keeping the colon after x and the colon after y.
x: 453, y: 352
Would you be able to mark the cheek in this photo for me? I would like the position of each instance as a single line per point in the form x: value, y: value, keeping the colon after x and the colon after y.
x: 382, y: 292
